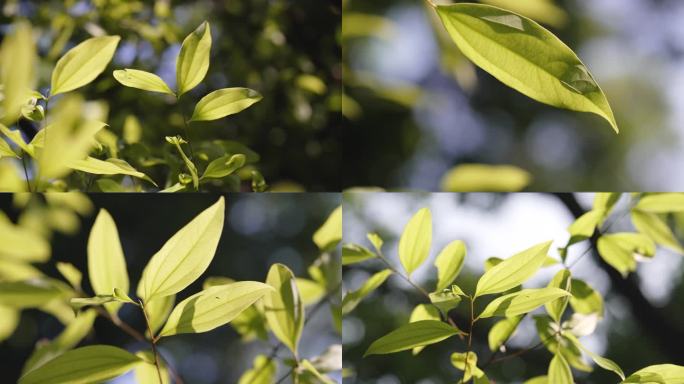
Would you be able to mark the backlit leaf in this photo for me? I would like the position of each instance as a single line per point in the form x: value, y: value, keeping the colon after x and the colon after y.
x: 263, y: 372
x: 354, y: 253
x: 661, y: 203
x: 158, y: 311
x: 284, y: 307
x: 330, y: 233
x: 653, y: 226
x: 416, y: 334
x: 142, y: 80
x: 352, y: 299
x: 525, y: 56
x: 602, y: 362
x: 668, y: 373
x: 556, y: 308
x: 146, y: 372
x: 466, y: 362
x: 193, y: 60
x: 70, y: 273
x: 83, y: 63
x: 449, y: 263
x: 485, y: 178
x: 21, y: 244
x: 224, y: 102
x: 108, y: 167
x: 502, y: 331
x: 513, y: 271
x: 15, y: 137
x: 6, y: 150
x: 414, y: 244
x: 185, y: 256
x: 310, y: 291
x: 584, y: 298
x: 106, y: 262
x: 224, y: 166
x: 559, y: 371
x: 85, y: 365
x: 521, y: 302
x: 32, y: 293
x: 17, y: 70
x: 621, y: 249
x: 213, y: 307
x: 585, y: 225
x: 423, y: 312
x: 10, y: 320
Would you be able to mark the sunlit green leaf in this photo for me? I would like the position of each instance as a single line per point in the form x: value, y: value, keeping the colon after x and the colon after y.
x: 224, y: 102
x: 653, y: 226
x: 620, y: 250
x: 108, y: 167
x: 521, y: 302
x: 585, y: 225
x: 15, y: 137
x: 605, y: 201
x: 585, y: 299
x: 185, y: 256
x: 146, y: 372
x: 83, y: 63
x: 543, y: 11
x: 310, y: 375
x: 660, y: 373
x: 22, y: 244
x: 263, y: 372
x: 352, y: 299
x: 513, y: 271
x: 423, y: 312
x: 602, y: 362
x: 17, y: 70
x: 71, y: 274
x: 466, y: 362
x: 502, y: 331
x: 10, y: 320
x: 142, y: 80
x: 354, y: 253
x: 284, y: 307
x: 556, y: 308
x: 224, y: 166
x: 330, y: 233
x: 158, y: 311
x: 213, y: 307
x: 177, y: 141
x: 85, y: 365
x: 193, y: 60
x: 6, y: 150
x: 102, y: 299
x: 449, y: 263
x: 445, y: 300
x: 538, y: 380
x: 32, y: 293
x: 414, y: 244
x: 548, y: 334
x: 409, y: 336
x: 376, y: 240
x: 661, y: 203
x: 525, y: 56
x: 559, y: 371
x: 106, y: 262
x: 485, y: 178
x: 310, y: 291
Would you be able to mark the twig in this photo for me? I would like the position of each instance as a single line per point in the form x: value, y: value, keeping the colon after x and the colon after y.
x: 153, y: 341
x: 23, y: 163
x: 470, y: 337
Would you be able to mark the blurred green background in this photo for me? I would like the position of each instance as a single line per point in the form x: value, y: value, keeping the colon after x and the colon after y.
x: 259, y: 230
x: 642, y: 320
x: 415, y: 107
x: 288, y: 50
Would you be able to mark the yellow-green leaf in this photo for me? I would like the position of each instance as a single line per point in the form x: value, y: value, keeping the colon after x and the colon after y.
x: 83, y: 63
x: 585, y: 225
x: 224, y: 102
x: 661, y: 203
x: 6, y: 150
x: 466, y: 362
x: 352, y: 299
x: 544, y: 11
x: 411, y: 335
x: 449, y: 263
x: 620, y: 250
x: 142, y: 80
x: 485, y: 178
x: 224, y: 166
x: 653, y: 226
x: 146, y: 372
x: 660, y: 373
x: 15, y: 137
x: 556, y: 308
x: 423, y: 312
x: 10, y: 320
x: 185, y: 256
x: 538, y: 380
x: 193, y: 61
x: 414, y: 244
x: 354, y: 253
x: 106, y: 261
x: 263, y: 372
x: 213, y: 307
x: 601, y: 361
x: 512, y: 271
x: 520, y: 302
x: 284, y: 307
x: 85, y: 365
x: 31, y: 293
x: 310, y: 291
x: 330, y: 233
x: 585, y: 299
x: 525, y: 56
x: 22, y: 244
x: 17, y: 70
x: 502, y: 331
x: 559, y: 371
x: 108, y: 167
x: 158, y: 311
x: 71, y: 274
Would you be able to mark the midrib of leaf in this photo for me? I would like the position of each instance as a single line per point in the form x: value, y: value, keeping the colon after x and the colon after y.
x: 105, y: 361
x: 214, y: 309
x: 70, y: 61
x: 418, y: 335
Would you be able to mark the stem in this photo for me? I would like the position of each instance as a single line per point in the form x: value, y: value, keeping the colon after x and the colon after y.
x: 23, y: 164
x: 186, y: 128
x: 42, y: 155
x: 470, y: 337
x: 153, y: 341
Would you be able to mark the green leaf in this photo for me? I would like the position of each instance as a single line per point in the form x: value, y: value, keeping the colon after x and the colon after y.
x: 31, y: 293
x: 548, y: 334
x: 330, y: 233
x: 224, y: 166
x: 147, y: 372
x: 18, y: 61
x: 308, y: 374
x: 520, y: 302
x: 620, y: 250
x: 224, y: 102
x: 409, y: 336
x: 83, y: 63
x: 108, y: 167
x: 310, y: 291
x: 502, y: 331
x: 376, y: 240
x: 80, y: 302
x: 526, y: 57
x: 193, y: 61
x: 605, y: 201
x: 185, y: 256
x: 544, y: 11
x: 661, y: 203
x: 213, y: 307
x: 22, y: 244
x: 602, y: 362
x: 661, y: 373
x: 445, y: 300
x: 556, y: 308
x: 466, y: 362
x: 67, y: 339
x: 559, y: 371
x: 83, y: 365
x: 263, y: 372
x: 585, y: 225
x: 423, y: 312
x: 142, y: 80
x: 352, y: 299
x: 16, y: 138
x: 284, y: 308
x: 449, y: 263
x: 158, y: 311
x: 512, y: 271
x: 6, y: 150
x: 538, y: 380
x: 485, y: 178
x: 653, y: 226
x: 106, y: 262
x: 414, y: 244
x: 584, y: 298
x: 71, y: 274
x: 354, y: 253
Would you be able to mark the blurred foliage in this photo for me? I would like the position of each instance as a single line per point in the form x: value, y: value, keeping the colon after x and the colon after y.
x: 46, y: 232
x: 289, y: 51
x: 415, y: 107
